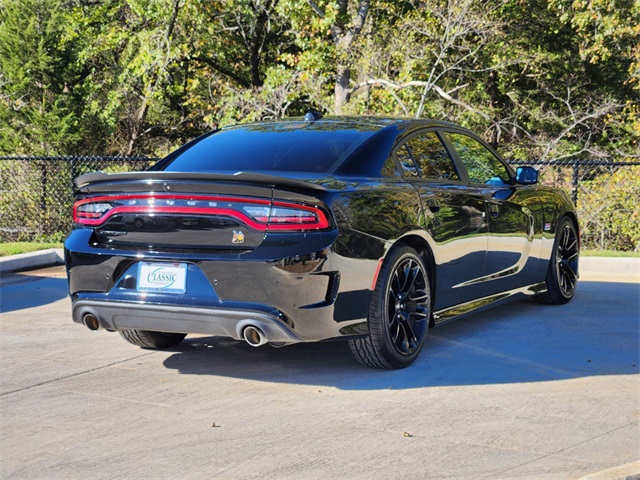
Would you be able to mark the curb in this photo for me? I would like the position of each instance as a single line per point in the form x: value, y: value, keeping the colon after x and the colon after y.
x: 618, y: 269
x: 25, y: 261
x: 618, y: 265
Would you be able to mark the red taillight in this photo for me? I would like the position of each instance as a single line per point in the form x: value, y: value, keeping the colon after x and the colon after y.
x: 256, y: 213
x: 87, y: 210
x: 283, y: 216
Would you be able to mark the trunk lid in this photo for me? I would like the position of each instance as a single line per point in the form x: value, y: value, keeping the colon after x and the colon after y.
x: 176, y: 210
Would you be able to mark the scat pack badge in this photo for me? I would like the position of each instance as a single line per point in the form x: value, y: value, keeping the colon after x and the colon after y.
x: 238, y: 237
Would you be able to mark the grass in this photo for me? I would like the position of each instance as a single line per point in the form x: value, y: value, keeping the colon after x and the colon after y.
x: 14, y: 248
x: 608, y: 253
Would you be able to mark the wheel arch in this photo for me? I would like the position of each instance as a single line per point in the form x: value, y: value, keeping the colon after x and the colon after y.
x: 574, y: 218
x: 571, y: 215
x: 421, y: 245
x: 558, y: 206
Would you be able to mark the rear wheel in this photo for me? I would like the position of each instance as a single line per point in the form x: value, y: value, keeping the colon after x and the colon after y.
x: 148, y: 339
x: 399, y: 313
x: 562, y: 275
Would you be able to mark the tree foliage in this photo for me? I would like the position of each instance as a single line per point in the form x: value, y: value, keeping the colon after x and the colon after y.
x: 610, y: 217
x: 550, y: 79
x: 39, y: 109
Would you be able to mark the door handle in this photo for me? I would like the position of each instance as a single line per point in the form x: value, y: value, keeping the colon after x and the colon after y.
x: 494, y: 210
x: 433, y: 205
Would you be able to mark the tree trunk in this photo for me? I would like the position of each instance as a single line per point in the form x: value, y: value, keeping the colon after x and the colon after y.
x: 494, y: 95
x: 344, y: 32
x: 342, y: 93
x: 136, y: 128
x: 257, y: 42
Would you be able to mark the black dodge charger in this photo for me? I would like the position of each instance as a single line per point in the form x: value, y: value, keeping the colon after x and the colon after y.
x: 370, y: 230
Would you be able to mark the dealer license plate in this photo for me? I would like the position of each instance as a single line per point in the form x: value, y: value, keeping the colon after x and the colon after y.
x: 162, y: 277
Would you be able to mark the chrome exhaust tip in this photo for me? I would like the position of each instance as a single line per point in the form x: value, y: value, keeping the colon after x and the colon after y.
x: 254, y: 336
x: 90, y: 321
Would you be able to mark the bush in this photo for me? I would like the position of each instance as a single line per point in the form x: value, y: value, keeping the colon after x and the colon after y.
x: 609, y: 211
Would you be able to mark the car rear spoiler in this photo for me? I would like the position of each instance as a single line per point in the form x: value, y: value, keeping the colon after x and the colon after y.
x: 88, y: 179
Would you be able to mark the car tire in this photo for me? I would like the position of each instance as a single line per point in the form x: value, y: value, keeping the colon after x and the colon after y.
x: 562, y: 274
x: 154, y: 340
x: 399, y: 313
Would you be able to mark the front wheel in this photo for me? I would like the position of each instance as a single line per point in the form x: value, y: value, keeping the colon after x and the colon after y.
x: 399, y: 313
x: 562, y: 274
x: 153, y: 340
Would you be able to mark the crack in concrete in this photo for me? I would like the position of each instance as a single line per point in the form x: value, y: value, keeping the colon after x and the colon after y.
x: 495, y: 474
x: 73, y: 375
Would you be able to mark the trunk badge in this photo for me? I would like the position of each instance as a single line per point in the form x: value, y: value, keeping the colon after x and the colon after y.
x: 238, y: 237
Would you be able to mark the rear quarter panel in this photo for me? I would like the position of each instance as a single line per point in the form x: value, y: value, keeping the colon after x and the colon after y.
x: 371, y: 216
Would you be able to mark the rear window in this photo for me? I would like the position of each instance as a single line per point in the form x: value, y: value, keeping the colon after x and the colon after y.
x: 293, y: 146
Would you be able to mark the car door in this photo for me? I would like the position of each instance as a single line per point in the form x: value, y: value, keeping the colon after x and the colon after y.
x: 453, y: 214
x: 513, y: 212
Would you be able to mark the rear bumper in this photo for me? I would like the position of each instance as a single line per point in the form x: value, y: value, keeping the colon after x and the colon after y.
x: 294, y: 291
x: 179, y: 319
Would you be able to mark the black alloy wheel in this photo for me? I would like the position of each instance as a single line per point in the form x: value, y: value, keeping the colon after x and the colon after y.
x: 562, y: 275
x: 399, y: 313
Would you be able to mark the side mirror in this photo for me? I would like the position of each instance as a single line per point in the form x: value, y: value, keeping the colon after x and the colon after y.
x: 526, y: 175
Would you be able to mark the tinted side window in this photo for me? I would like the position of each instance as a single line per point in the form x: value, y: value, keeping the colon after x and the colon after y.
x: 432, y: 158
x: 482, y: 165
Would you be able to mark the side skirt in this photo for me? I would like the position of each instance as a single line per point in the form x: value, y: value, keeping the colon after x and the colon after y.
x: 450, y: 313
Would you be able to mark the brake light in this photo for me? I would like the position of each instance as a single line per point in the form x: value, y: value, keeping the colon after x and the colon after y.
x: 92, y: 210
x: 259, y: 214
x: 88, y: 213
x: 282, y: 216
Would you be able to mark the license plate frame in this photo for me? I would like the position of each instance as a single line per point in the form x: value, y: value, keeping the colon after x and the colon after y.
x: 162, y: 277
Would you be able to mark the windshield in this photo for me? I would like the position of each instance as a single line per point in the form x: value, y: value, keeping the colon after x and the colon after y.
x: 290, y: 146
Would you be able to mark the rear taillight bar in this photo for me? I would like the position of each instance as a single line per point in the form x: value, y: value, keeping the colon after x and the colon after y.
x: 260, y: 214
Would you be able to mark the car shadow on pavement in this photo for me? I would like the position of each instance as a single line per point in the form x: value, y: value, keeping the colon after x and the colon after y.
x: 596, y: 334
x: 24, y: 290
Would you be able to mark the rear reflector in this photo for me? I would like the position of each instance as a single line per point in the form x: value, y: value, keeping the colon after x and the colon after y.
x: 259, y: 214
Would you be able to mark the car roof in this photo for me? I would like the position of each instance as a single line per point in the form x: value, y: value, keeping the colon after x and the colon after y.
x: 366, y: 159
x: 363, y: 122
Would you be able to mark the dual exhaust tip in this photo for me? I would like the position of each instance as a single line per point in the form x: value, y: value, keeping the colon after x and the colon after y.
x: 90, y: 321
x: 253, y: 335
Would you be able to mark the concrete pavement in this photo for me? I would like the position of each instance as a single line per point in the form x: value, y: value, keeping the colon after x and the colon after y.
x: 523, y: 391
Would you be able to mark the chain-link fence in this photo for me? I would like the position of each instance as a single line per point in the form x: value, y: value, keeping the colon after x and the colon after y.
x: 37, y: 195
x: 606, y: 195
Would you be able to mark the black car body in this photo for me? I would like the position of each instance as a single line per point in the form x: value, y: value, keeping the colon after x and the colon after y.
x: 365, y: 229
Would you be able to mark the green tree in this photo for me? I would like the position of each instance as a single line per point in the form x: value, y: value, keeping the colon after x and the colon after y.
x: 134, y: 79
x: 40, y: 107
x: 548, y: 79
x: 327, y: 34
